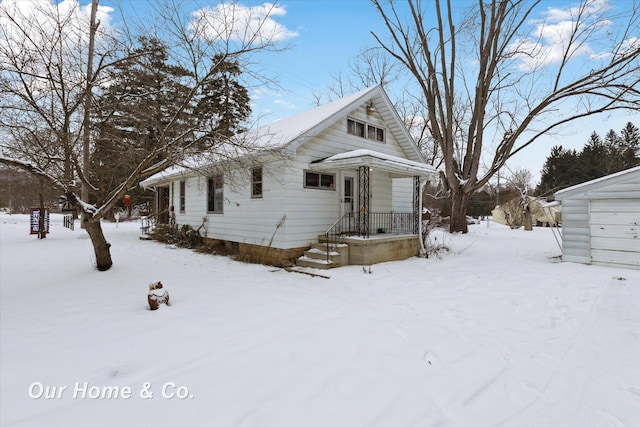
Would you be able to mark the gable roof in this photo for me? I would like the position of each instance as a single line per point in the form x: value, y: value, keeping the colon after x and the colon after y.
x: 290, y: 133
x: 599, y: 183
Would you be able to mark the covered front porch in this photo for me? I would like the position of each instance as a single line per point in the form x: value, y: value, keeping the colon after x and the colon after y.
x: 367, y: 233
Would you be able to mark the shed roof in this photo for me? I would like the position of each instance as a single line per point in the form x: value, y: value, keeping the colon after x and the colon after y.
x: 600, y: 183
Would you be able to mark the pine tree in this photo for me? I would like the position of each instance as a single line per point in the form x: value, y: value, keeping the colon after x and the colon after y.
x: 142, y: 95
x: 223, y: 103
x: 560, y: 170
x: 613, y: 161
x: 593, y: 159
x: 564, y: 168
x: 630, y: 146
x: 147, y: 93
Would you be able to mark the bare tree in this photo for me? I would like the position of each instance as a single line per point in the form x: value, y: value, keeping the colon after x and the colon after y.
x: 503, y: 75
x: 374, y: 66
x: 44, y: 85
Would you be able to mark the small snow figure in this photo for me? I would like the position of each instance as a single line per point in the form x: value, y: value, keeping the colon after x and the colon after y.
x: 157, y: 295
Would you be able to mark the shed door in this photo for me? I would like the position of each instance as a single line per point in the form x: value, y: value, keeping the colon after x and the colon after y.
x: 615, y: 231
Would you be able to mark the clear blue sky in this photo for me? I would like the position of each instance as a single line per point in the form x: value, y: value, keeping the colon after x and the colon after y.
x: 330, y: 34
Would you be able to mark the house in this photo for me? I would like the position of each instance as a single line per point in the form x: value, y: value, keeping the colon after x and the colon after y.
x: 601, y: 220
x: 542, y: 213
x: 347, y: 173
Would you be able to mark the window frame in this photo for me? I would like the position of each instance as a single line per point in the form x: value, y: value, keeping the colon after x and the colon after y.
x: 332, y: 187
x: 257, y: 188
x: 182, y: 196
x: 211, y: 194
x: 369, y: 131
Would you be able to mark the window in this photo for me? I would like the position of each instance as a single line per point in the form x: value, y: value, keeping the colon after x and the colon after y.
x: 375, y: 133
x: 322, y: 181
x: 357, y: 128
x: 256, y: 183
x: 215, y: 194
x: 182, y: 196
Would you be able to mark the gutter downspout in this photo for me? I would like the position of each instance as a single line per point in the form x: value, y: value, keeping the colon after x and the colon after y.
x: 423, y: 250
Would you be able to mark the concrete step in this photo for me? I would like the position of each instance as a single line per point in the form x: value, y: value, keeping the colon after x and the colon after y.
x: 320, y: 252
x: 321, y: 264
x: 316, y: 256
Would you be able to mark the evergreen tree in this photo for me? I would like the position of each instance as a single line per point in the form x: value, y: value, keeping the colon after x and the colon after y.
x: 145, y: 103
x: 134, y: 109
x: 564, y: 168
x: 224, y: 103
x: 560, y: 170
x: 613, y: 162
x: 630, y: 146
x: 593, y: 159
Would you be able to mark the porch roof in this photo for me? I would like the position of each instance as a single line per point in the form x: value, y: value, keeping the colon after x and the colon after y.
x: 396, y: 166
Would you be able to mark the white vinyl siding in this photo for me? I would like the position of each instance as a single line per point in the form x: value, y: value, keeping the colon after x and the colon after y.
x: 307, y: 212
x: 402, y: 195
x: 575, y: 231
x: 601, y: 221
x: 615, y: 232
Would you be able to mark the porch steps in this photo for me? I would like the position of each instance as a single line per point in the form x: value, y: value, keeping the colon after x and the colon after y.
x: 316, y: 257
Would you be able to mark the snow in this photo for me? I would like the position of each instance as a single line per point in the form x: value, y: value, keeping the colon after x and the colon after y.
x: 375, y: 154
x: 496, y: 332
x: 279, y: 134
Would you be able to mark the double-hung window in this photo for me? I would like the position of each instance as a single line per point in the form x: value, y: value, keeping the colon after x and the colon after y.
x: 365, y: 130
x: 215, y: 194
x: 182, y: 196
x: 256, y: 183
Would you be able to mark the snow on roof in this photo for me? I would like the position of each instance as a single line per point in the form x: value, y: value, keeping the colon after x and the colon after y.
x: 584, y: 186
x: 381, y: 156
x: 285, y: 134
x: 284, y: 131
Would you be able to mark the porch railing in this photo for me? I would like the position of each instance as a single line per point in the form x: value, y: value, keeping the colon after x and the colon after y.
x: 365, y: 224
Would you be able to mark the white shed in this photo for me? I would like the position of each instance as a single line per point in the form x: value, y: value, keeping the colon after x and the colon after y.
x: 601, y: 220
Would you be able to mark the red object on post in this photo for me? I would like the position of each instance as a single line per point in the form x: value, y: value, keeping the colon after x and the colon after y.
x: 127, y: 200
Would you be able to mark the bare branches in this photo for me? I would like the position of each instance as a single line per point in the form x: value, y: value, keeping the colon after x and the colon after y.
x: 535, y: 70
x: 32, y: 169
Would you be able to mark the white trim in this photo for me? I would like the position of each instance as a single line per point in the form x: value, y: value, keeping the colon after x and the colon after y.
x: 378, y: 161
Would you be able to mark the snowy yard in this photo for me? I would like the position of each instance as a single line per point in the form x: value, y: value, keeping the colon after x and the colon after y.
x: 496, y: 333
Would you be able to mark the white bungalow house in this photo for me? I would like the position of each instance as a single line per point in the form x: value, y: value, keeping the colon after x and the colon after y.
x: 601, y: 220
x: 347, y: 173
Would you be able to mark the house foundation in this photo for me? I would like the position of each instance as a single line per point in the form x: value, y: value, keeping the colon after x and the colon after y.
x: 377, y: 248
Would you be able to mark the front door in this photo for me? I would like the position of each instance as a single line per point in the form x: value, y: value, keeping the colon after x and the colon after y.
x: 348, y: 193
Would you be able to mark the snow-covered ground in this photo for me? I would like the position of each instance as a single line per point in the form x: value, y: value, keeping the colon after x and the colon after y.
x: 496, y: 333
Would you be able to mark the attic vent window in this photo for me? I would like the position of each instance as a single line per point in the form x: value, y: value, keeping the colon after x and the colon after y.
x: 365, y: 130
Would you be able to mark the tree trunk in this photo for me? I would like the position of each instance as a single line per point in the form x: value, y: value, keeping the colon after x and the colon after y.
x: 528, y: 220
x: 42, y: 231
x: 101, y: 247
x: 458, y: 222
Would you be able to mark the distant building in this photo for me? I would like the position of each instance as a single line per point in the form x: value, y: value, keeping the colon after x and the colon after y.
x: 543, y: 214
